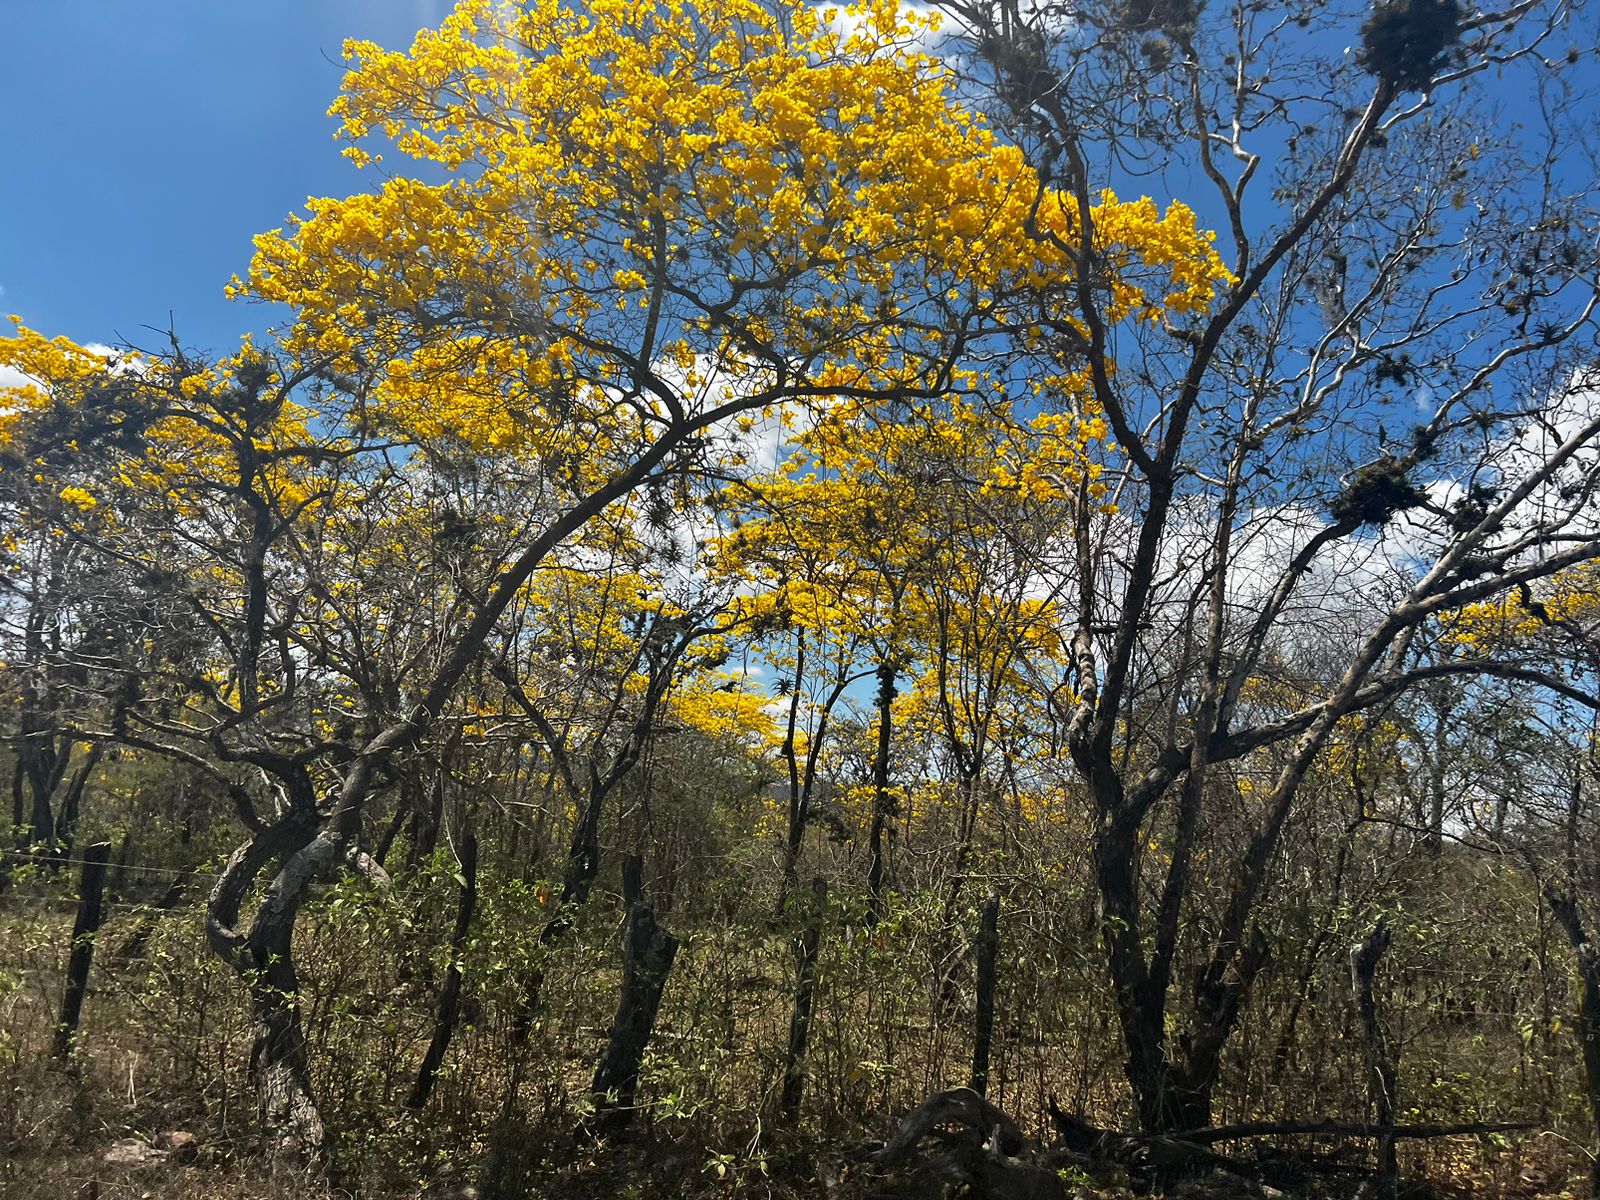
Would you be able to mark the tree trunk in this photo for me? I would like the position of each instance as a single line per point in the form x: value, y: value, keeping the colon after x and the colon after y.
x: 66, y: 821
x: 120, y: 866
x: 983, y: 1033
x: 1141, y: 1012
x: 883, y: 805
x: 450, y: 996
x: 648, y: 951
x: 279, y: 1065
x: 583, y: 855
x: 1565, y: 911
x: 380, y: 852
x: 1382, y: 1070
x: 425, y: 839
x: 43, y: 767
x: 90, y: 912
x: 807, y: 946
x: 264, y: 960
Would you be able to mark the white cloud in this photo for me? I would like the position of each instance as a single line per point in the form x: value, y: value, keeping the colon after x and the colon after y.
x: 848, y: 24
x: 11, y: 377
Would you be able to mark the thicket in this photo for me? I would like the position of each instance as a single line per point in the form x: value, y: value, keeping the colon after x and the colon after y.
x: 1478, y: 1000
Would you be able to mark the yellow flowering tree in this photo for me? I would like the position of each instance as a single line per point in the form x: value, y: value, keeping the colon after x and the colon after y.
x: 640, y: 221
x: 225, y: 569
x: 625, y: 225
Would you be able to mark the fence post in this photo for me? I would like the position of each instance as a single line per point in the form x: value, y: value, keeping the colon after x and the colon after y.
x: 91, y: 889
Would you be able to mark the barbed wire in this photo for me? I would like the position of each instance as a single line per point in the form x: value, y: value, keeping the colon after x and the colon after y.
x: 73, y: 902
x: 53, y: 860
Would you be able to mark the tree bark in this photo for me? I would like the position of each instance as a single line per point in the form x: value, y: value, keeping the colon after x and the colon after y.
x: 648, y: 952
x: 90, y: 891
x: 883, y: 804
x: 66, y: 821
x: 1565, y: 910
x: 425, y: 828
x: 450, y: 995
x: 983, y: 1033
x: 279, y: 1064
x: 263, y: 957
x: 808, y: 945
x: 1382, y: 1070
x: 380, y: 852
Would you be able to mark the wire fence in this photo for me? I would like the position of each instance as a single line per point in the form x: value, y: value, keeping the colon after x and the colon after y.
x: 114, y: 868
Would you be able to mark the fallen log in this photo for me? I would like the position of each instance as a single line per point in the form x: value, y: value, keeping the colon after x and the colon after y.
x: 986, y: 1156
x: 1165, y: 1155
x: 961, y: 1106
x: 1077, y: 1134
x: 1254, y: 1129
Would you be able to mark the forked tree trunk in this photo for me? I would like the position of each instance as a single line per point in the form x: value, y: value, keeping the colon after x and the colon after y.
x: 66, y: 823
x: 263, y: 957
x: 43, y: 766
x: 1172, y: 1093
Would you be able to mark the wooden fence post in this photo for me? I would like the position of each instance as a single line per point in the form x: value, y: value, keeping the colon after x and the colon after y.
x: 91, y: 890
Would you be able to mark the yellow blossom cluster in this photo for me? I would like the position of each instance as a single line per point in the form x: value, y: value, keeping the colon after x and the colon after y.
x: 1571, y: 598
x: 769, y: 193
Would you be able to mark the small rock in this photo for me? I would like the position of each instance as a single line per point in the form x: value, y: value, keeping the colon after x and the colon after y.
x: 130, y: 1152
x: 181, y: 1144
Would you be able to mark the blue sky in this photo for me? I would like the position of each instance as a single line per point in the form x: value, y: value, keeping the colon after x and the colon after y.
x: 144, y: 144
